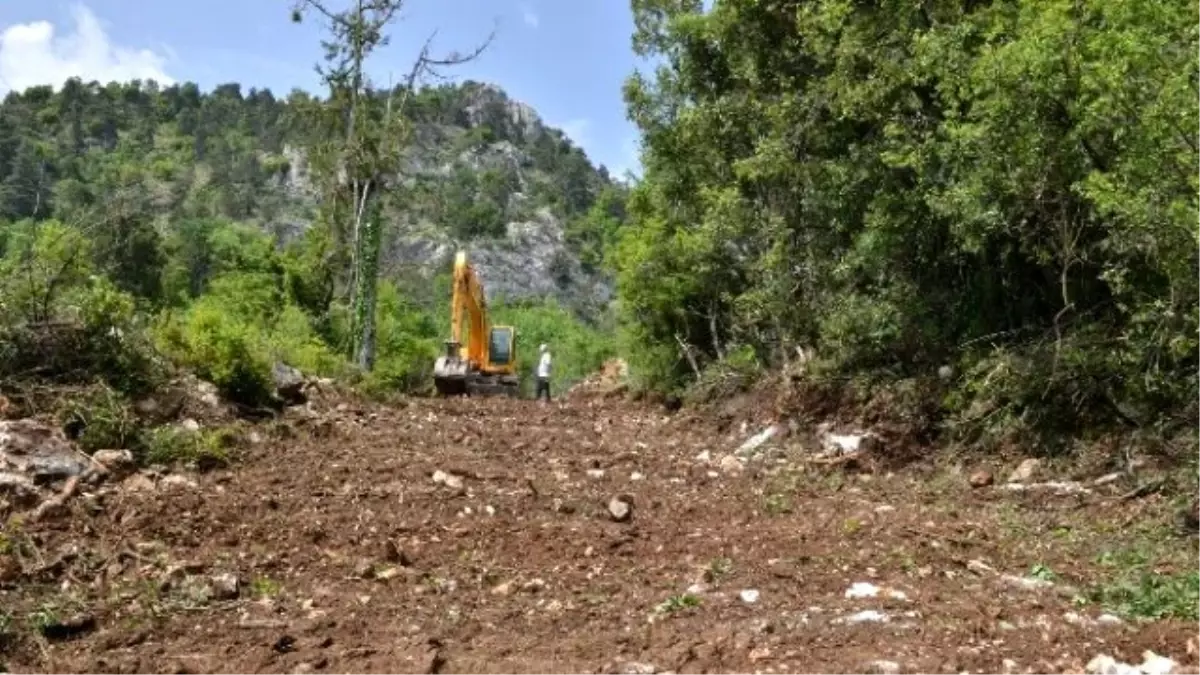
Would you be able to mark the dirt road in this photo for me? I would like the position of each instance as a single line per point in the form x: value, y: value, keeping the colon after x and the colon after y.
x: 453, y: 536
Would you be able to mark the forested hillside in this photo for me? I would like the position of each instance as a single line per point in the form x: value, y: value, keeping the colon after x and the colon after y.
x: 1005, y: 192
x: 198, y: 212
x: 478, y: 162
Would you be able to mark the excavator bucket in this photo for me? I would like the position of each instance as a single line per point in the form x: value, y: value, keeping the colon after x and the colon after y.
x: 450, y: 385
x: 450, y: 372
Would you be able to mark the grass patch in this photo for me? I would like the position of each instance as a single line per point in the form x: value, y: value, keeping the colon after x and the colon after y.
x: 14, y: 541
x: 1138, y: 590
x: 777, y: 504
x: 264, y: 587
x: 8, y: 632
x: 676, y: 603
x: 100, y: 419
x: 718, y: 568
x: 1151, y: 595
x: 52, y: 612
x: 207, y: 448
x: 1042, y: 572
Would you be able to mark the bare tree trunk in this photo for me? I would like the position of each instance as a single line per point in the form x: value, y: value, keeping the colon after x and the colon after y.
x: 359, y: 201
x: 368, y: 286
x: 686, y: 349
x: 712, y: 328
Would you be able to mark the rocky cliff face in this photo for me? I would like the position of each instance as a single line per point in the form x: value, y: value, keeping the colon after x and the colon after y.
x: 532, y: 261
x: 485, y: 174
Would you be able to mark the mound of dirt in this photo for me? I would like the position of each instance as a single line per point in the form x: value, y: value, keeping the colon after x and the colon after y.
x: 905, y: 421
x: 611, y: 380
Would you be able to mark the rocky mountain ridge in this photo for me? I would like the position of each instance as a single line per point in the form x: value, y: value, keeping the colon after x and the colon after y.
x: 532, y: 257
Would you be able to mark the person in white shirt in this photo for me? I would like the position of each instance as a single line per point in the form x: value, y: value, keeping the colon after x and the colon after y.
x: 543, y: 373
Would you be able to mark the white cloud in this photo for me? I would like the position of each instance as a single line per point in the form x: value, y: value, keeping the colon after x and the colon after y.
x: 31, y: 54
x: 576, y: 130
x: 530, y: 16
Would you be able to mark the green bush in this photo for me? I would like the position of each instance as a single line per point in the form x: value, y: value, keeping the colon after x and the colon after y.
x: 408, y: 342
x: 735, y: 373
x: 1046, y: 391
x: 41, y: 262
x: 61, y: 322
x: 171, y: 445
x: 229, y: 352
x: 117, y: 340
x: 860, y: 331
x: 577, y: 349
x: 234, y: 333
x: 294, y: 341
x: 100, y: 419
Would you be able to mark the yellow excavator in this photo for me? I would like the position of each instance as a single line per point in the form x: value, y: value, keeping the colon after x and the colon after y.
x: 486, y: 362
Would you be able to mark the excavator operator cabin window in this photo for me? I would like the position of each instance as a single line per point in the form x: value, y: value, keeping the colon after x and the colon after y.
x: 500, y: 346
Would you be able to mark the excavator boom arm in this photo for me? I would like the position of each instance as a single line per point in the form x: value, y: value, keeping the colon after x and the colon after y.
x: 468, y: 303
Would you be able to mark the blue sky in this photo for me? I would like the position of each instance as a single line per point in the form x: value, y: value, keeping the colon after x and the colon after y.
x: 566, y: 58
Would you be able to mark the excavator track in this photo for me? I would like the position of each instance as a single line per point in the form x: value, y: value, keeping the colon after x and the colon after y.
x: 493, y: 386
x: 476, y: 385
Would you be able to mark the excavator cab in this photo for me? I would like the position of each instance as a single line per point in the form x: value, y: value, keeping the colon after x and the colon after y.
x: 487, y: 362
x: 502, y: 349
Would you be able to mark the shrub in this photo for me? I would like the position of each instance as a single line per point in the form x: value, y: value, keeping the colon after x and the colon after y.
x: 117, y: 341
x: 229, y: 352
x: 41, y: 262
x: 100, y: 419
x: 731, y: 375
x: 407, y: 344
x: 171, y: 445
x: 60, y: 322
x: 578, y: 349
x: 1050, y: 391
x: 860, y: 331
x: 294, y: 341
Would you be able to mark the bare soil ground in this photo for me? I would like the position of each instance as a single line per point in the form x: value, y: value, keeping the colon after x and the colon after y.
x: 349, y: 556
